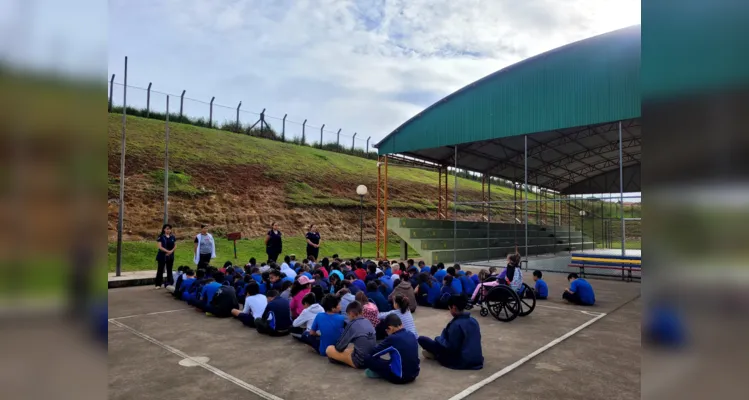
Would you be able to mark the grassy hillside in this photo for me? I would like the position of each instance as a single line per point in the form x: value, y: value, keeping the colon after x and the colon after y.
x: 238, y: 182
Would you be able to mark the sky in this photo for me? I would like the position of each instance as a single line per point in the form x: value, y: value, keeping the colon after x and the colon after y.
x: 363, y: 66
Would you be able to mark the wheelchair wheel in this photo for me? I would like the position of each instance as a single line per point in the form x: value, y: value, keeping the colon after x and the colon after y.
x: 484, y: 312
x: 527, y: 304
x: 503, y: 303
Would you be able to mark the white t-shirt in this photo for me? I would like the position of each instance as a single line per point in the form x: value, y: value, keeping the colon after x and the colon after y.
x: 255, y: 305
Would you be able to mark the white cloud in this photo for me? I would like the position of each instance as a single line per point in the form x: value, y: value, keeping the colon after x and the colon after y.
x: 363, y: 65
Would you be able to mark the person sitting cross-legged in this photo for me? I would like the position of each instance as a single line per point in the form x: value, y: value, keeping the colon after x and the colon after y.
x: 276, y: 319
x: 580, y: 292
x: 254, y: 305
x: 459, y: 345
x: 403, y: 350
x: 360, y: 333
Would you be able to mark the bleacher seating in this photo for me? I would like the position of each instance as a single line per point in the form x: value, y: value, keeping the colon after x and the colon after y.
x: 434, y: 239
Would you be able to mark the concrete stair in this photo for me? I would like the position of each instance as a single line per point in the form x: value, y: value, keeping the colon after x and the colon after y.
x: 439, y: 241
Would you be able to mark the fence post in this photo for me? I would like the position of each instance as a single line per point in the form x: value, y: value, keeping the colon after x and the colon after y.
x: 166, y: 163
x: 148, y: 102
x: 353, y: 141
x: 283, y: 128
x: 262, y: 122
x: 338, y: 140
x: 304, y: 124
x: 238, y: 126
x: 181, y: 103
x: 111, y: 92
x: 321, y: 128
x: 210, y: 113
x: 121, y: 213
x: 367, y: 155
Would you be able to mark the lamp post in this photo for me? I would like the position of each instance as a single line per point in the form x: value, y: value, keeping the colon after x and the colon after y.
x: 361, y: 190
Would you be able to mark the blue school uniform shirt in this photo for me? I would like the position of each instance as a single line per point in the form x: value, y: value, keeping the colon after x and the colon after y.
x: 541, y: 288
x: 370, y: 277
x: 186, y: 284
x: 440, y: 275
x: 388, y: 272
x: 379, y: 300
x: 404, y: 354
x: 257, y: 277
x: 307, y: 274
x: 433, y: 293
x: 330, y: 327
x: 475, y: 279
x: 287, y: 278
x: 468, y: 286
x: 426, y: 269
x: 388, y: 282
x: 278, y: 314
x: 209, y: 291
x: 462, y: 341
x: 584, y: 290
x: 457, y: 286
x: 359, y: 285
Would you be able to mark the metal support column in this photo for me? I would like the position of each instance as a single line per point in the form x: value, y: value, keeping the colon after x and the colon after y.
x: 556, y: 239
x: 488, y: 217
x: 181, y: 104
x: 238, y: 126
x: 283, y: 128
x: 111, y: 93
x: 148, y: 101
x: 455, y: 209
x: 121, y: 213
x: 321, y: 130
x: 621, y: 192
x: 382, y: 207
x: 525, y: 162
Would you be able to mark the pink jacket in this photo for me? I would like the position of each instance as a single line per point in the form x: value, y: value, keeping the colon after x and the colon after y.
x: 296, y: 303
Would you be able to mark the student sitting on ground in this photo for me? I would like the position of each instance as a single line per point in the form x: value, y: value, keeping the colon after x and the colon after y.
x: 374, y: 294
x: 354, y: 285
x: 286, y: 290
x: 404, y: 288
x: 254, y: 305
x: 465, y: 282
x: 276, y: 319
x: 187, y: 281
x: 299, y: 289
x: 346, y: 298
x: 371, y: 273
x: 541, y: 290
x: 423, y: 267
x: 400, y: 308
x: 303, y: 322
x: 223, y: 302
x: 386, y: 285
x: 446, y: 292
x: 326, y: 327
x: 358, y: 332
x: 369, y: 309
x: 459, y: 345
x: 191, y: 294
x: 428, y: 291
x: 177, y: 278
x: 580, y: 292
x: 403, y: 351
x: 451, y: 271
x: 209, y: 290
x: 440, y: 274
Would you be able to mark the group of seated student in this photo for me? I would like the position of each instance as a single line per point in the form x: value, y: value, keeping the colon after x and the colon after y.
x: 342, y: 309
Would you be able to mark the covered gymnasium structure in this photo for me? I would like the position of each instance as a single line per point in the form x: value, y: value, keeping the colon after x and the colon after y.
x: 563, y: 130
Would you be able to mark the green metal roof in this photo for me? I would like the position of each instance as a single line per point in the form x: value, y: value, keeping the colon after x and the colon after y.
x: 590, y: 82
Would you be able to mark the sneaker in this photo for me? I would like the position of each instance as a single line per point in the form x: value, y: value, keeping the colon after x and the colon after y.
x: 371, y: 374
x: 208, y: 314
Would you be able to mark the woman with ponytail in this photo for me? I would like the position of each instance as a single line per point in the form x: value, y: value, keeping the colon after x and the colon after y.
x: 166, y: 243
x: 313, y: 242
x: 401, y: 306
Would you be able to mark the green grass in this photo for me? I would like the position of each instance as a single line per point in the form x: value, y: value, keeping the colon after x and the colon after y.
x: 629, y: 245
x: 282, y: 161
x: 139, y: 256
x: 179, y: 183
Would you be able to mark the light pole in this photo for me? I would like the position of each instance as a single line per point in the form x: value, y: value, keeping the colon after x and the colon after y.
x: 361, y: 190
x: 582, y: 230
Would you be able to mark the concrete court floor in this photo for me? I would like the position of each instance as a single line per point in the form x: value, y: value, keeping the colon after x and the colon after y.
x: 600, y: 361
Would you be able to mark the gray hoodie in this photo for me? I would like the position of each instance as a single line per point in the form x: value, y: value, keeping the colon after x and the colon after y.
x: 361, y: 334
x: 345, y: 300
x: 307, y: 316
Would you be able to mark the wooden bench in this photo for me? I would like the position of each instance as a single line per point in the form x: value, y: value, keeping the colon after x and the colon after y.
x: 628, y: 268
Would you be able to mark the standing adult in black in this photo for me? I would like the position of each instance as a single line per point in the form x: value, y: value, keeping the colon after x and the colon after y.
x: 273, y: 243
x: 313, y: 242
x: 166, y: 243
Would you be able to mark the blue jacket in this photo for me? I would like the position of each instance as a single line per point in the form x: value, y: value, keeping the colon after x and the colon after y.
x: 407, y: 362
x: 433, y: 293
x: 379, y: 300
x: 440, y: 275
x: 462, y: 339
x: 278, y: 314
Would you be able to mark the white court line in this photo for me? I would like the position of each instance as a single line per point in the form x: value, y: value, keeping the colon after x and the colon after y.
x: 522, y: 361
x: 214, y: 370
x: 593, y: 313
x: 153, y: 313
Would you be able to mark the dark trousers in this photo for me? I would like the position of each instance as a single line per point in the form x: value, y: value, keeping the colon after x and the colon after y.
x: 296, y: 331
x: 247, y: 319
x: 263, y: 327
x: 217, y: 312
x: 382, y: 368
x: 272, y: 255
x: 204, y: 260
x: 422, y: 301
x: 532, y: 290
x: 572, y: 298
x: 381, y: 330
x: 312, y: 341
x: 313, y: 251
x: 439, y: 351
x: 168, y: 263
